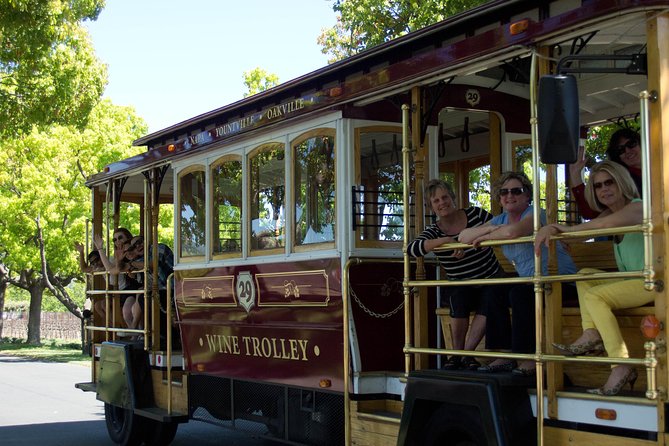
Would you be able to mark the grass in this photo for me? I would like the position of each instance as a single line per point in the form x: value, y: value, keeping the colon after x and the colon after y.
x: 51, y: 350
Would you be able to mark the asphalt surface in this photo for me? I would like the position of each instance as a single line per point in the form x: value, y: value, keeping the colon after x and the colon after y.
x: 39, y: 405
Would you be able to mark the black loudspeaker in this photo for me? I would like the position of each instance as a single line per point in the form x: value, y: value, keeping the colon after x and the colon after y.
x: 467, y: 408
x: 558, y: 115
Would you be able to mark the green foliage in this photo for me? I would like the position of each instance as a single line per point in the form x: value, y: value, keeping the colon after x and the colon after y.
x: 363, y: 24
x: 42, y: 178
x: 257, y: 80
x: 49, y: 73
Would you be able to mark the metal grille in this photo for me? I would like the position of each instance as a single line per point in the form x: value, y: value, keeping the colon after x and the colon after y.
x: 301, y: 416
x: 315, y: 418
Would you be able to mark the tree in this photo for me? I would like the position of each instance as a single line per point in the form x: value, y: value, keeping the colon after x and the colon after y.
x: 44, y: 202
x: 362, y: 24
x: 48, y: 70
x: 257, y: 80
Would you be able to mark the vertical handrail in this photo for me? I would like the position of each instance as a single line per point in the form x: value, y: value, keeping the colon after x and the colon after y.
x: 538, y: 287
x: 145, y: 270
x: 345, y: 285
x: 648, y: 272
x: 406, y: 179
x: 169, y: 342
x: 108, y: 195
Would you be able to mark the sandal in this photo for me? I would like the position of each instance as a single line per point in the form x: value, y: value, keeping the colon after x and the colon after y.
x: 452, y: 363
x: 470, y: 363
x: 496, y: 368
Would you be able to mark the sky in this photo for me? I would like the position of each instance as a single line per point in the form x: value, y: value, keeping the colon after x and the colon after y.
x: 173, y: 60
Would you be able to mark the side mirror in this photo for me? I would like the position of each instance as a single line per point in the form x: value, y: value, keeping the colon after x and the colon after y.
x: 558, y: 116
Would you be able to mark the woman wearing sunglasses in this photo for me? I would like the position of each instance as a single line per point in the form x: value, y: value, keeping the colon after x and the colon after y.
x: 459, y: 264
x: 118, y: 267
x: 514, y: 192
x: 134, y: 306
x: 625, y: 150
x: 612, y: 192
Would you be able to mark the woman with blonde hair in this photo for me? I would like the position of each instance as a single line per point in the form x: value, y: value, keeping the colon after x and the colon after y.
x: 612, y: 192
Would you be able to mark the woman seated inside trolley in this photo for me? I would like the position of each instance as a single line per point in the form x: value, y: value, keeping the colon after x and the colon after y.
x: 612, y: 192
x: 459, y: 264
x: 514, y: 192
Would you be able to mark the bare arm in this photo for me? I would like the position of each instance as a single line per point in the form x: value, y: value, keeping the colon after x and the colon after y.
x: 82, y: 258
x: 630, y: 215
x: 468, y: 235
x: 430, y: 244
x: 576, y: 169
x: 509, y: 231
x: 99, y: 245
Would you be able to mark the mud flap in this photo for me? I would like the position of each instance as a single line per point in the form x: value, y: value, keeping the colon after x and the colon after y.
x: 452, y: 408
x: 125, y: 375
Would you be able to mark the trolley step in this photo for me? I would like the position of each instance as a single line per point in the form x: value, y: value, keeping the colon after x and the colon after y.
x: 87, y: 387
x: 160, y: 414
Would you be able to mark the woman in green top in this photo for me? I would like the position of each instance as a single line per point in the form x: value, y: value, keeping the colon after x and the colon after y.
x: 612, y: 192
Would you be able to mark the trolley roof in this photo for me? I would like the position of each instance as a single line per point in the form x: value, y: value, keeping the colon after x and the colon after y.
x: 448, y: 50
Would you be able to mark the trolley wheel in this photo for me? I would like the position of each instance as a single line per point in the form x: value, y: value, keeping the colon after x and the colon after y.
x: 124, y: 427
x: 454, y: 426
x: 157, y: 433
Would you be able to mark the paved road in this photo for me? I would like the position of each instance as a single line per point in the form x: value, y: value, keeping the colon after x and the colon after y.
x: 40, y: 406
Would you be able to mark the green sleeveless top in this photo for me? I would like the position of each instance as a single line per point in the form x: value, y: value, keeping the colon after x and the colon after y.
x: 629, y: 252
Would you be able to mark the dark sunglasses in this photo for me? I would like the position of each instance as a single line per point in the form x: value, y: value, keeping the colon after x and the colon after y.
x: 628, y: 145
x: 119, y: 238
x: 608, y: 183
x: 513, y: 191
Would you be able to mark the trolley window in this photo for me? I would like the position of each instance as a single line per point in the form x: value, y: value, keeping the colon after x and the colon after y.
x: 226, y: 182
x: 314, y: 187
x: 192, y: 213
x: 378, y: 203
x: 267, y: 198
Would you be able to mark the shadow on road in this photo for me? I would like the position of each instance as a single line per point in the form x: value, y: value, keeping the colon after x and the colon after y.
x: 74, y: 433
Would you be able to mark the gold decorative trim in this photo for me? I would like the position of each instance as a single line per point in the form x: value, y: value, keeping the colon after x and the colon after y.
x: 293, y: 284
x: 211, y: 291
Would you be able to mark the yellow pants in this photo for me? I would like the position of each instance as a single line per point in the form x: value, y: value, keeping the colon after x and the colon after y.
x: 597, y: 299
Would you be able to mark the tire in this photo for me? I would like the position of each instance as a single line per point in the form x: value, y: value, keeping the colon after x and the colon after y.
x: 454, y: 426
x: 124, y: 427
x: 157, y: 433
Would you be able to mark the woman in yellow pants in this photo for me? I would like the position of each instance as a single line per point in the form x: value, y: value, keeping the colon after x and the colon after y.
x: 611, y: 191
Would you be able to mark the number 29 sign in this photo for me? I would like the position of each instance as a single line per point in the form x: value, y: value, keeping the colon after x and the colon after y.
x: 246, y: 292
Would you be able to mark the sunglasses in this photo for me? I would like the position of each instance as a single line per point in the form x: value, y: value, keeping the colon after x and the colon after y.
x: 119, y: 238
x: 608, y: 183
x: 512, y: 191
x: 628, y: 145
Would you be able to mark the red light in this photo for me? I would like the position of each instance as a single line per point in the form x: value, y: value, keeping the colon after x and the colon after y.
x: 650, y: 326
x: 519, y: 27
x: 606, y: 414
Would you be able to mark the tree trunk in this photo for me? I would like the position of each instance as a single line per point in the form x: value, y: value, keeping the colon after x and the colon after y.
x: 35, y: 314
x: 3, y: 288
x: 4, y: 281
